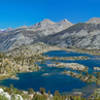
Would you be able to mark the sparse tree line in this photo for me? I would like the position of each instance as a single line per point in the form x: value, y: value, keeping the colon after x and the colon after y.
x: 10, y: 65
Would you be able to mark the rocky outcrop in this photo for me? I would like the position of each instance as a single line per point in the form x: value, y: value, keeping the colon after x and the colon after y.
x: 6, y: 96
x: 73, y: 66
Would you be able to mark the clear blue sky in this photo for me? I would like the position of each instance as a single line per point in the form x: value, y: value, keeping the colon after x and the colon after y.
x: 14, y: 13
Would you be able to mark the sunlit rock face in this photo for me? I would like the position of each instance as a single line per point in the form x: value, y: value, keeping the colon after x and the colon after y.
x: 48, y: 27
x: 94, y: 21
x: 63, y: 34
x: 24, y: 35
x: 80, y: 35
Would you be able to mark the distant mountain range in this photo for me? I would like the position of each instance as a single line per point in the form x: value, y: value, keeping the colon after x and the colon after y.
x: 64, y: 34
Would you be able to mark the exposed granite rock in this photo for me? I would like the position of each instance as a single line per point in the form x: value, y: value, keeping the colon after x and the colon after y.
x: 94, y: 20
x: 28, y: 35
x: 82, y: 35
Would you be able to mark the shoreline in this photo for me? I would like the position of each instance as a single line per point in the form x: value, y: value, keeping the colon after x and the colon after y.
x: 52, y: 48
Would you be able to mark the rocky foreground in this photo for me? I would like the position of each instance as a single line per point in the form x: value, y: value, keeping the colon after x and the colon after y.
x: 15, y: 94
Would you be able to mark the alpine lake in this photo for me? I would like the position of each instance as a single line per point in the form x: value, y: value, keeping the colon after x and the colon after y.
x: 52, y: 79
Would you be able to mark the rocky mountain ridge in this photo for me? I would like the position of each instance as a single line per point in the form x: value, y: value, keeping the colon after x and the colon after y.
x: 94, y: 20
x: 29, y: 35
x: 82, y: 35
x: 63, y: 34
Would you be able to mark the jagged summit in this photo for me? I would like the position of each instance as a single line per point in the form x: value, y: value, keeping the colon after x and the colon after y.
x: 47, y: 27
x: 65, y: 21
x: 94, y: 20
x: 47, y: 21
x: 24, y: 26
x: 44, y: 23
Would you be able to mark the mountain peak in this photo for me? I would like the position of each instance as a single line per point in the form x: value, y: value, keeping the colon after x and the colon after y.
x: 43, y: 24
x: 94, y: 20
x: 24, y: 26
x: 47, y: 21
x: 65, y: 21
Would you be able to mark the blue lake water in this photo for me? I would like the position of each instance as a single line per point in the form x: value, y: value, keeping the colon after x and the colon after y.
x: 54, y: 80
